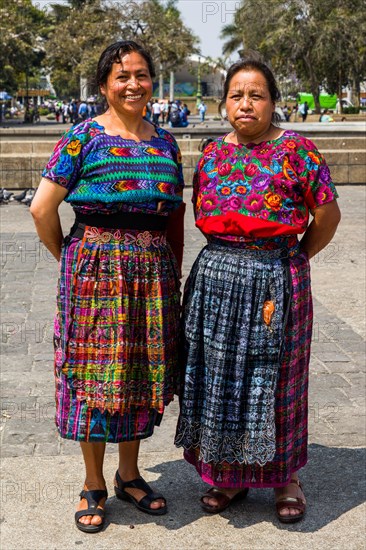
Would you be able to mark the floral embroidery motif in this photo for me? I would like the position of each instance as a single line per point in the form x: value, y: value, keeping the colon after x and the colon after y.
x: 142, y: 240
x: 277, y: 181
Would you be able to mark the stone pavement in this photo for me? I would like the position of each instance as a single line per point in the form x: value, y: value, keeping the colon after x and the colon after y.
x: 42, y: 475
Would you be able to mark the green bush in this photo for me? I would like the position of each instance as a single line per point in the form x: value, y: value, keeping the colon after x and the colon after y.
x: 351, y: 110
x: 43, y: 111
x: 51, y: 117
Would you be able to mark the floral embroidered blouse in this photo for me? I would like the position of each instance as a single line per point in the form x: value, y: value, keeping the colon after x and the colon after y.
x: 260, y: 190
x: 106, y: 174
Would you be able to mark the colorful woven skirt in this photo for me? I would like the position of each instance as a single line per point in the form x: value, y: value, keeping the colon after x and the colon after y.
x: 116, y: 334
x: 243, y: 420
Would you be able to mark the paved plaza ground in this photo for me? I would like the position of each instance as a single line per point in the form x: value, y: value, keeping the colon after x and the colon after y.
x: 42, y: 475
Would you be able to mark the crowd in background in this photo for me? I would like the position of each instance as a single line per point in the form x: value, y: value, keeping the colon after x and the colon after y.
x: 74, y: 111
x: 159, y: 111
x: 174, y: 113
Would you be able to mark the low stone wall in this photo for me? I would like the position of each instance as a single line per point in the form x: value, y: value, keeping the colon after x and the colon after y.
x: 24, y: 153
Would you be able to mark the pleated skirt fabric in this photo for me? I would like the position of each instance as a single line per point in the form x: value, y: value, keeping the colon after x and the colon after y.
x: 243, y: 420
x: 115, y: 334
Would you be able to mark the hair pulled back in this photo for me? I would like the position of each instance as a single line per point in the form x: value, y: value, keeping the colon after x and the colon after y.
x: 114, y: 54
x: 252, y: 62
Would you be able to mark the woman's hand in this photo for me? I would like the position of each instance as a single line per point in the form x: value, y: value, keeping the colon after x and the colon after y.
x: 44, y: 209
x: 322, y: 228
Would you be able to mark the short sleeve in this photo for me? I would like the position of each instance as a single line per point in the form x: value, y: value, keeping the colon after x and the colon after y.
x: 64, y: 165
x: 176, y: 156
x: 178, y: 159
x: 320, y: 188
x: 196, y: 183
x: 180, y: 170
x: 204, y: 175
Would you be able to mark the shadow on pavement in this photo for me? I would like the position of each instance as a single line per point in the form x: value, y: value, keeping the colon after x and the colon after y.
x: 333, y: 485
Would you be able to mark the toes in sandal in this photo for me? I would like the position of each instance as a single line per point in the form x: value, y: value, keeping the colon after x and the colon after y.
x: 223, y: 500
x: 291, y: 502
x: 144, y: 503
x: 93, y: 498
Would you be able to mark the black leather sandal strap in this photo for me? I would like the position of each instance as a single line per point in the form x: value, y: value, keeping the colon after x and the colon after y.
x: 93, y: 497
x: 140, y: 484
x: 89, y: 512
x: 148, y: 499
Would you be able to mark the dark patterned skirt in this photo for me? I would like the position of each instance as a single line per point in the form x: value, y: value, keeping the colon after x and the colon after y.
x: 116, y: 334
x: 243, y: 420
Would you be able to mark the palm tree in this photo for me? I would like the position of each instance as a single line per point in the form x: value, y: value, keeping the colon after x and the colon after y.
x: 234, y: 34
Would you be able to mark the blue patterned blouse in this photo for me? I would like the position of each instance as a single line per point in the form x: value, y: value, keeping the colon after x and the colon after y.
x: 106, y: 174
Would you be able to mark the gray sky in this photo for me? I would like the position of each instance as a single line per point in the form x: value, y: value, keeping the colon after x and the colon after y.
x: 204, y: 17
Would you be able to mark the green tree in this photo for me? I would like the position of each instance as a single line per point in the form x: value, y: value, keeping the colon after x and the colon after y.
x: 320, y: 41
x: 165, y: 35
x: 159, y: 27
x: 344, y: 34
x: 23, y: 32
x: 80, y: 32
x: 84, y: 28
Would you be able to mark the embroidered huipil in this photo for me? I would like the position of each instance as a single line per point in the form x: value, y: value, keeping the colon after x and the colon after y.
x: 262, y: 191
x: 107, y: 174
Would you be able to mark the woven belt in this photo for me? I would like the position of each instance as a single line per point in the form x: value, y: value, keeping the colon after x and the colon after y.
x: 128, y: 237
x: 124, y: 220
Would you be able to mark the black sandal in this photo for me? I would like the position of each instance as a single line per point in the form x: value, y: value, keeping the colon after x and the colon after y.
x: 144, y: 503
x: 93, y: 498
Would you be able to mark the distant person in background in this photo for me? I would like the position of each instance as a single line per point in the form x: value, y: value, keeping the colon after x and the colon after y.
x: 303, y: 110
x: 184, y: 117
x: 295, y: 110
x: 148, y: 111
x: 164, y: 111
x: 92, y: 110
x: 186, y: 111
x: 202, y: 108
x: 177, y: 117
x: 73, y: 111
x: 65, y: 112
x: 156, y: 110
x: 325, y: 116
x: 58, y: 111
x: 83, y: 111
x: 286, y: 113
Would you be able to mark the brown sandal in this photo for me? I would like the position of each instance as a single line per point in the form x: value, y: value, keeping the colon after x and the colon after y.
x: 291, y: 502
x: 223, y: 500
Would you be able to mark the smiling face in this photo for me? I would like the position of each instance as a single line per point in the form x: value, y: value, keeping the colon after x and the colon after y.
x: 249, y: 105
x: 129, y: 85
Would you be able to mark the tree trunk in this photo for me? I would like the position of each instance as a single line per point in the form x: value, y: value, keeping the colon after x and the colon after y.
x: 340, y: 96
x: 161, y: 82
x: 355, y: 91
x: 316, y: 93
x: 83, y: 88
x: 171, y: 86
x: 314, y: 84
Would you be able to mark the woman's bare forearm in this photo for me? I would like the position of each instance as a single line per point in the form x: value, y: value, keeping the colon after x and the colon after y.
x: 44, y: 209
x: 322, y: 229
x: 50, y: 232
